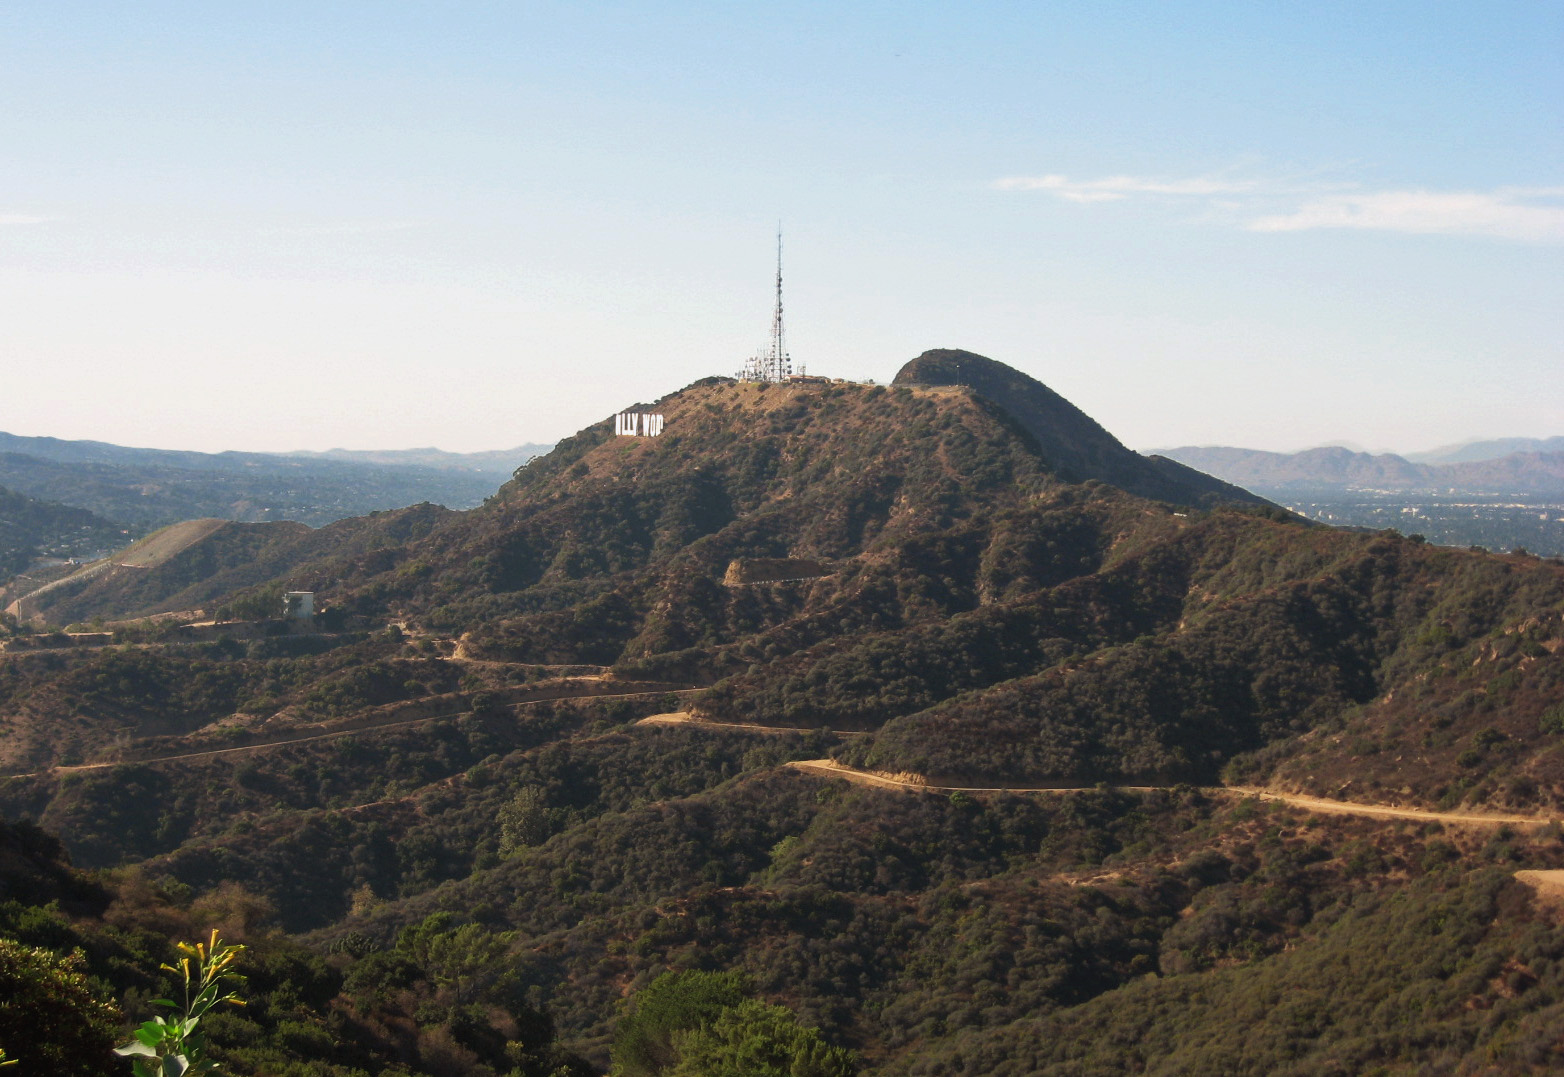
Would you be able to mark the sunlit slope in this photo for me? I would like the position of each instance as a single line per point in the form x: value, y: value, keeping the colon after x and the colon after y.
x: 199, y: 563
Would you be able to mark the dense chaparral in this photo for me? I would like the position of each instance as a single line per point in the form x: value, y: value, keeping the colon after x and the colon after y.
x: 451, y: 844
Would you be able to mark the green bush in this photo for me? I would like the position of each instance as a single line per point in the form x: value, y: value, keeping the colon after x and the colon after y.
x: 701, y: 1024
x: 1552, y: 720
x: 673, y: 1003
x: 753, y: 1039
x: 51, y: 1019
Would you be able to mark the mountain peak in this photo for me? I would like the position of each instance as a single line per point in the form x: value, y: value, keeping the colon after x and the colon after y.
x: 1074, y: 444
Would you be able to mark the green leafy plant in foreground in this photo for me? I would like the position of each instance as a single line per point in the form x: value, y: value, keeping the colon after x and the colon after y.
x: 177, y: 1047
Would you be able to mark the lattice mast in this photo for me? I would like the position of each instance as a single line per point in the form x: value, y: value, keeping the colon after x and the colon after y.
x: 773, y: 363
x: 780, y: 363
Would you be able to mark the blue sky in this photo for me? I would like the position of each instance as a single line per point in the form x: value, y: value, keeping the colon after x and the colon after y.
x: 474, y: 225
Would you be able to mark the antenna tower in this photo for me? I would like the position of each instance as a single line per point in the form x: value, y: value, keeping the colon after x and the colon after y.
x: 773, y: 362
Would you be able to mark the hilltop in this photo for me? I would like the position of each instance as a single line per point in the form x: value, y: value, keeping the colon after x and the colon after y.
x: 744, y: 470
x: 1074, y: 445
x: 959, y: 578
x: 947, y: 582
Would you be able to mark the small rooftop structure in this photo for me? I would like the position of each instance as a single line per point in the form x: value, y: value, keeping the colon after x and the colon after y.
x: 298, y: 606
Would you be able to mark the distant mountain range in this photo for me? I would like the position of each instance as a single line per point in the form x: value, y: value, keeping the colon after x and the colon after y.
x: 496, y: 461
x: 143, y: 488
x: 502, y: 462
x: 1529, y: 472
x: 1467, y: 452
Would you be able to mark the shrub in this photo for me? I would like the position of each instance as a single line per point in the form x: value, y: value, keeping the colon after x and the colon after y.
x: 50, y: 1017
x: 1552, y: 720
x: 672, y: 1003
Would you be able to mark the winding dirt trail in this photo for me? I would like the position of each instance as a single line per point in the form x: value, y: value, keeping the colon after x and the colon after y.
x: 831, y: 768
x: 686, y: 718
x: 1348, y: 807
x: 355, y: 726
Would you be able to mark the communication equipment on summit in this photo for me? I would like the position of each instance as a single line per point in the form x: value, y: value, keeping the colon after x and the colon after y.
x: 772, y: 363
x: 638, y: 424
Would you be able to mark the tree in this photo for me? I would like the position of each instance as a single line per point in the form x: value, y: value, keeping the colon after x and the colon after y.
x: 49, y: 1015
x: 524, y: 820
x: 674, y: 1002
x: 701, y: 1024
x: 466, y: 959
x: 754, y: 1039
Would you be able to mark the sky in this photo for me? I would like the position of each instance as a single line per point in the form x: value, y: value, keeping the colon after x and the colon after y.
x: 475, y: 225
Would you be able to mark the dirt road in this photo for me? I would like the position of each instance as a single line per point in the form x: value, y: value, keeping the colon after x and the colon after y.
x: 831, y: 768
x: 911, y: 781
x: 352, y: 727
x: 686, y: 718
x: 1348, y: 807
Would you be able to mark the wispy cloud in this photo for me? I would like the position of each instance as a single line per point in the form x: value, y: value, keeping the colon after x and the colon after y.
x: 340, y: 228
x: 1504, y: 214
x: 1529, y: 214
x: 1116, y: 188
x: 22, y: 218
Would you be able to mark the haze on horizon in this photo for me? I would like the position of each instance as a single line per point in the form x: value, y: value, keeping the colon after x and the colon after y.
x: 387, y: 225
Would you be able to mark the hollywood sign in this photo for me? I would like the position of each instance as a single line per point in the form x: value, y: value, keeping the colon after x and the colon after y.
x: 636, y: 424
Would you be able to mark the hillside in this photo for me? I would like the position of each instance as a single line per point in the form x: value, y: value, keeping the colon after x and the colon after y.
x: 935, y: 581
x: 1074, y: 445
x: 31, y: 529
x: 986, y: 618
x: 755, y: 471
x: 195, y: 564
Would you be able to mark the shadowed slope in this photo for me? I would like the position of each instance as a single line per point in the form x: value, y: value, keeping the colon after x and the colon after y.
x: 1072, y: 443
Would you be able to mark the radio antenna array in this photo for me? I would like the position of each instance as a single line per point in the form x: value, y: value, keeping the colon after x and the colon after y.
x: 773, y: 363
